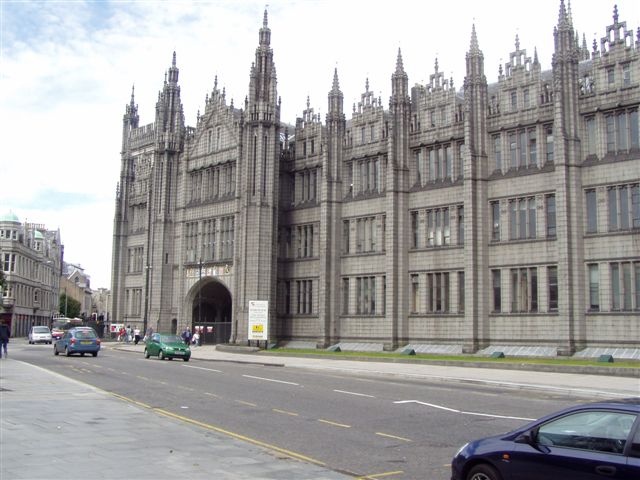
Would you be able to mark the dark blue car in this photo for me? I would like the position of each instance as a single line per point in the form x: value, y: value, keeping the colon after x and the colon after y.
x: 78, y: 340
x: 586, y: 442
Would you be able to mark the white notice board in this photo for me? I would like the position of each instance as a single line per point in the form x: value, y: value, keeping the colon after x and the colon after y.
x: 258, y: 320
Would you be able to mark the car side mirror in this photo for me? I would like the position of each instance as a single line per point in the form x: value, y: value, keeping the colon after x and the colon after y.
x: 526, y: 438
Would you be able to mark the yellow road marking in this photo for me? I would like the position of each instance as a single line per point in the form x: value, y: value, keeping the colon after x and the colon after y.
x: 334, y: 423
x: 285, y: 412
x: 238, y: 436
x: 247, y: 403
x: 131, y: 400
x: 393, y: 436
x: 380, y: 475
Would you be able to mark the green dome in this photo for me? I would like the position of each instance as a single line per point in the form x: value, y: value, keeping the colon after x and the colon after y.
x: 38, y: 235
x: 9, y: 217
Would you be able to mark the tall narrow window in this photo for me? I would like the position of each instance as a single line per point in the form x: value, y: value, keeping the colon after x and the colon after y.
x: 448, y: 159
x: 634, y: 144
x: 522, y: 147
x: 533, y: 278
x: 548, y: 129
x: 635, y: 206
x: 613, y: 209
x: 590, y: 125
x: 594, y: 288
x: 621, y: 130
x: 552, y: 276
x: 414, y: 229
x: 615, y: 286
x: 626, y: 286
x: 495, y: 220
x: 415, y: 291
x: 497, y: 150
x: 446, y: 230
x: 513, y: 219
x: 522, y: 211
x: 611, y: 133
x: 497, y: 296
x: 533, y: 148
x: 532, y: 217
x: 551, y: 216
x: 430, y: 229
x: 345, y: 236
x: 624, y: 207
x: 513, y: 150
x: 461, y: 292
x: 460, y: 225
x: 345, y: 296
x: 592, y: 211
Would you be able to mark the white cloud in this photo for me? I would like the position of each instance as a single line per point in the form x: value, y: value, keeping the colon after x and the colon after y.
x: 67, y: 70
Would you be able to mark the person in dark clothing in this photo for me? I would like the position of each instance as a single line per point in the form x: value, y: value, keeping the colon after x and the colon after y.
x: 5, y: 334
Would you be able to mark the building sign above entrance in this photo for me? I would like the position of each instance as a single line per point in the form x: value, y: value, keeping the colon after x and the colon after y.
x: 258, y: 320
x: 208, y: 271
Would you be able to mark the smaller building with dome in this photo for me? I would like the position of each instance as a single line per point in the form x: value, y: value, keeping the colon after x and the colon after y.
x: 31, y: 257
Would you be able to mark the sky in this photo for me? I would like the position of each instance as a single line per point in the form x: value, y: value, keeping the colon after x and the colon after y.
x: 67, y: 69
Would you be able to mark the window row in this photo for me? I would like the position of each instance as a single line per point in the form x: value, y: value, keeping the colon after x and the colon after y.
x: 304, y: 186
x: 304, y: 237
x: 432, y: 227
x: 364, y: 235
x: 621, y: 282
x: 211, y: 239
x: 211, y: 183
x: 135, y: 260
x: 618, y: 211
x: 29, y: 297
x: 133, y: 302
x: 516, y: 290
x: 364, y: 176
x: 615, y: 132
x: 301, y: 293
x: 439, y: 163
x: 360, y: 294
x: 433, y: 292
x: 522, y: 218
x: 8, y: 234
x: 25, y: 267
x: 521, y: 148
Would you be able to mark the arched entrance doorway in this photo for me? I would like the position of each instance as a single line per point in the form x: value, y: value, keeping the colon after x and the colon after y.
x: 211, y: 312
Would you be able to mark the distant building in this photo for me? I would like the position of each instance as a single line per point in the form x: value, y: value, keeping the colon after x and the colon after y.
x: 101, y: 300
x: 77, y: 285
x: 496, y: 214
x: 31, y: 257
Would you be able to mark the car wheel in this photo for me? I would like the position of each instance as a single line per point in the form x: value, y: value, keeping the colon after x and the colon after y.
x: 161, y: 355
x: 55, y: 351
x: 146, y: 353
x: 82, y: 354
x: 95, y: 354
x: 483, y: 472
x: 67, y: 352
x: 186, y: 359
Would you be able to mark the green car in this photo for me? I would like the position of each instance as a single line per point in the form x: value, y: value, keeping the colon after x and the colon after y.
x: 167, y: 346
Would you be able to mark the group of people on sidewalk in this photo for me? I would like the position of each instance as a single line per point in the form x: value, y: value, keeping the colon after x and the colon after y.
x: 191, y: 339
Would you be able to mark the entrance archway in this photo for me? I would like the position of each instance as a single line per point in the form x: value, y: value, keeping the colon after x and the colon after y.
x: 211, y: 312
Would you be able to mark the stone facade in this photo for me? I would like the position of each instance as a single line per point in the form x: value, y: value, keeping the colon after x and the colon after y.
x: 31, y: 257
x: 496, y: 214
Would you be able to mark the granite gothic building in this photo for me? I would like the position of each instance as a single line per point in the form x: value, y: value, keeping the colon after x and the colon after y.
x: 502, y: 214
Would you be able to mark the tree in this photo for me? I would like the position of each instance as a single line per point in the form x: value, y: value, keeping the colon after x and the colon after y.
x: 72, y: 306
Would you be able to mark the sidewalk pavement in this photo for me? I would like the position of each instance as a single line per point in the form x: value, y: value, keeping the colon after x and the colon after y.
x: 55, y: 427
x: 584, y: 385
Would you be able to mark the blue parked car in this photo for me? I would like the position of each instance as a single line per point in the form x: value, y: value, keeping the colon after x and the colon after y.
x: 585, y: 442
x: 78, y: 340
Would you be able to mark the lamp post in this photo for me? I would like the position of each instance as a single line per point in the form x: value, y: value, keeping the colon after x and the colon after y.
x: 200, y: 297
x: 146, y: 298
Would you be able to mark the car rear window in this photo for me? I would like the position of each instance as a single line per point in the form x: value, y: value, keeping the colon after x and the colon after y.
x: 85, y: 334
x: 40, y: 329
x: 170, y: 339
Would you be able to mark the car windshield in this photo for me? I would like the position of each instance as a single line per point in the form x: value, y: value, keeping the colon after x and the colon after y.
x: 171, y: 339
x: 40, y: 329
x: 85, y: 334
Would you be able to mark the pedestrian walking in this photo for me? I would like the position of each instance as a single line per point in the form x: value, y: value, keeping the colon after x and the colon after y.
x: 127, y: 337
x: 136, y: 335
x: 195, y: 341
x: 5, y: 334
x: 186, y: 336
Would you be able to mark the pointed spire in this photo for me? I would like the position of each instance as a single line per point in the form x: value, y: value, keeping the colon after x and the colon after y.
x: 308, y: 102
x: 173, y: 62
x: 399, y: 65
x: 336, y: 85
x: 265, y: 20
x: 474, y: 48
x: 366, y: 85
x: 615, y: 14
x: 563, y: 18
x: 436, y: 64
x: 133, y: 89
x: 535, y: 55
x: 569, y: 16
x: 517, y: 42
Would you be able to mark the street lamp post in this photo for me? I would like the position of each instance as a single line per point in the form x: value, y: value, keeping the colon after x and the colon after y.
x: 146, y: 299
x: 200, y: 298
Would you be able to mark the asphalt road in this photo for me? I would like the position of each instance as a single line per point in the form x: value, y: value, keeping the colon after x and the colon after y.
x: 366, y: 426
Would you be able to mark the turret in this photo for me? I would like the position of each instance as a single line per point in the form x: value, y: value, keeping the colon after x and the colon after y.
x: 130, y: 119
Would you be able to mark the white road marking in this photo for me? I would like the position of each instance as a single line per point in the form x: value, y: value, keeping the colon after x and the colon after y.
x: 271, y: 380
x: 354, y: 393
x: 203, y: 368
x: 462, y: 412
